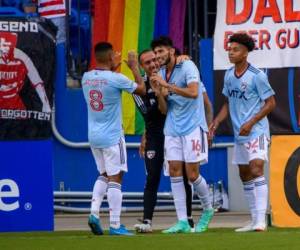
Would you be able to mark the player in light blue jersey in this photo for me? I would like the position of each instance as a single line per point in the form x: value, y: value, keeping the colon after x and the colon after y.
x: 102, y: 90
x: 249, y: 99
x: 185, y: 132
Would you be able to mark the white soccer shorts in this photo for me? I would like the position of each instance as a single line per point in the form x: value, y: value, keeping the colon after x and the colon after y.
x: 255, y: 149
x: 111, y: 160
x: 190, y: 148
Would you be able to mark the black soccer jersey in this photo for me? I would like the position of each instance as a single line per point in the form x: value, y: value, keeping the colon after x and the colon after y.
x: 148, y: 106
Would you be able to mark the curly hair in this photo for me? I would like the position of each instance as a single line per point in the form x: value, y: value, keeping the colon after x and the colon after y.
x: 244, y: 39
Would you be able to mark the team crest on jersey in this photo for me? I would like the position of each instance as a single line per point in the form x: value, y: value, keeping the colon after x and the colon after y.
x: 150, y: 154
x: 244, y: 86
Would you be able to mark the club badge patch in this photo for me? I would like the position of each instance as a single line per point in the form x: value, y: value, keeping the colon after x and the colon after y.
x: 150, y: 154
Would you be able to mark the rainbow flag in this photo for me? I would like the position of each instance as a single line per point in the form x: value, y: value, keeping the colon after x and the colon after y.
x: 131, y: 25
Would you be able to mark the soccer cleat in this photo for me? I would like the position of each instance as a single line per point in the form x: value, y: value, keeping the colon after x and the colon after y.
x: 247, y: 228
x: 182, y: 226
x: 143, y: 228
x: 205, y: 219
x: 122, y: 230
x: 94, y: 224
x: 259, y: 227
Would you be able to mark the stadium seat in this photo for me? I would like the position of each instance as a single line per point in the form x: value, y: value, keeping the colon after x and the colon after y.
x: 10, y: 11
x: 11, y: 3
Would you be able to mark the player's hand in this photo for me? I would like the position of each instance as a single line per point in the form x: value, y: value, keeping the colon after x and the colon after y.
x: 117, y: 61
x: 246, y: 128
x: 182, y: 58
x: 159, y: 80
x: 212, y: 131
x: 132, y: 61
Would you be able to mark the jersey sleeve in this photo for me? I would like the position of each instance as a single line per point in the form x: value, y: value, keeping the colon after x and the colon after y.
x: 225, y: 89
x: 192, y: 73
x: 32, y: 72
x: 203, y: 89
x: 84, y: 78
x: 124, y: 83
x: 263, y: 86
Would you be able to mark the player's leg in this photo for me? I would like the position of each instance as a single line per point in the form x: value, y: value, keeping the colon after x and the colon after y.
x: 116, y: 164
x: 154, y: 158
x: 251, y: 157
x: 99, y: 191
x: 257, y: 159
x: 196, y: 152
x: 249, y: 193
x: 189, y: 198
x: 174, y: 155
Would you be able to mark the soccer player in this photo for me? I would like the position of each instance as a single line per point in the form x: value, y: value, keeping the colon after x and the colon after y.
x: 152, y: 144
x: 249, y: 99
x: 102, y: 90
x: 185, y: 132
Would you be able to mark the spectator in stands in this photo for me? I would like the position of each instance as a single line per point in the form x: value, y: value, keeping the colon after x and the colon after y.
x: 30, y: 8
x: 56, y: 11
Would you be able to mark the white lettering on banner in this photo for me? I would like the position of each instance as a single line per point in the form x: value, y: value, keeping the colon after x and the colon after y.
x: 24, y: 114
x: 14, y: 26
x: 13, y: 192
x: 273, y: 24
x: 8, y: 75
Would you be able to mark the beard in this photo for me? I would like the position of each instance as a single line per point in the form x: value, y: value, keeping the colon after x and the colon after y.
x: 167, y: 60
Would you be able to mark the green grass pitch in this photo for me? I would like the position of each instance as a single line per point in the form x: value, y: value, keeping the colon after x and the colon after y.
x: 214, y: 239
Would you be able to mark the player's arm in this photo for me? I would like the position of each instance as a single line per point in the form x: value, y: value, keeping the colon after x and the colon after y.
x: 208, y: 109
x: 142, y: 145
x: 266, y: 109
x: 162, y: 103
x: 266, y: 93
x: 221, y: 116
x: 161, y: 94
x: 132, y: 63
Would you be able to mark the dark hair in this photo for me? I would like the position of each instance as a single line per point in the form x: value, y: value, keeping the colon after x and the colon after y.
x: 244, y: 39
x: 102, y: 47
x: 162, y: 41
x: 143, y: 52
x: 177, y: 51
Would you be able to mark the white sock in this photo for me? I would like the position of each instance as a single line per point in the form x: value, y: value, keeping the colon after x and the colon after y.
x: 202, y: 191
x: 179, y: 197
x: 250, y: 195
x: 261, y: 190
x: 114, y: 197
x: 99, y: 190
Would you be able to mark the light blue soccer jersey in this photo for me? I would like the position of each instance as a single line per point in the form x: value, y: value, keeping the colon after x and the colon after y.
x: 246, y: 95
x: 184, y: 114
x: 102, y: 91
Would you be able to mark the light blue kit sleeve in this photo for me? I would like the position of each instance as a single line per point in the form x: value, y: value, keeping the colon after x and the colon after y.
x: 263, y: 86
x: 124, y: 83
x: 191, y: 72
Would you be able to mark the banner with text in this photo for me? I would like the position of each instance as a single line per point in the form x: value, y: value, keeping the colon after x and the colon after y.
x: 285, y: 181
x: 273, y: 24
x: 27, y: 70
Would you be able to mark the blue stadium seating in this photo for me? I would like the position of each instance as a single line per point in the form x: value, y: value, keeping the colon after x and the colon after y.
x: 10, y: 11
